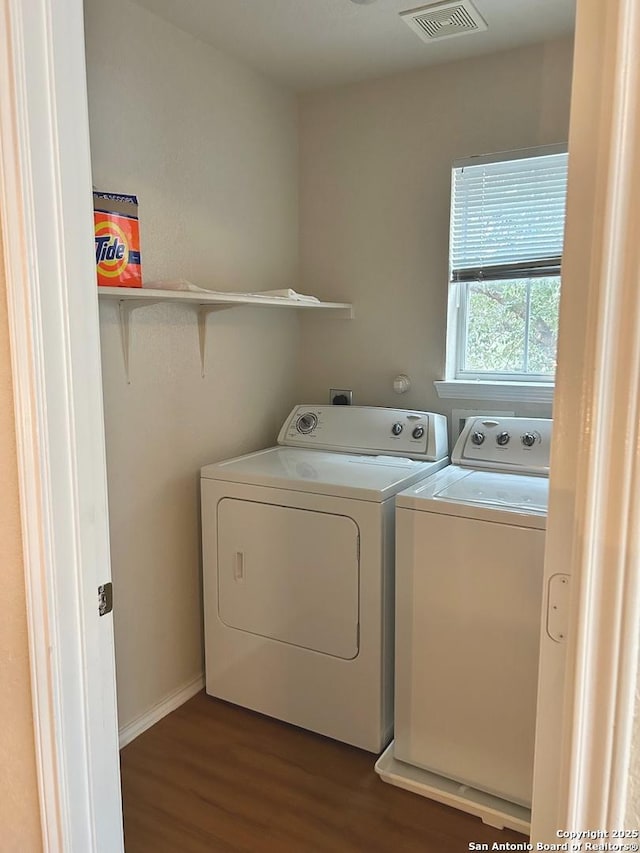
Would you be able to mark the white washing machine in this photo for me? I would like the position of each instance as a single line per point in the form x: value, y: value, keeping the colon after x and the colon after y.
x: 298, y: 554
x: 470, y: 553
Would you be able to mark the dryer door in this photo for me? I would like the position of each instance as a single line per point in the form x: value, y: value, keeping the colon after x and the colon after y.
x: 289, y: 574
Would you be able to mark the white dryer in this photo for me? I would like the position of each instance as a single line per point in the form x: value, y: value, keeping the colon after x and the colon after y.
x: 298, y: 555
x: 469, y: 568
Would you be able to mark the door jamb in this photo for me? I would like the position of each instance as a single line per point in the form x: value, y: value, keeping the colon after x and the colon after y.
x: 46, y: 218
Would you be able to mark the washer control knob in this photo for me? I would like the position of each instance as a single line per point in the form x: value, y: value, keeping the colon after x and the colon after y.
x: 528, y: 439
x: 477, y: 438
x: 502, y: 438
x: 307, y: 423
x: 397, y: 428
x: 418, y: 432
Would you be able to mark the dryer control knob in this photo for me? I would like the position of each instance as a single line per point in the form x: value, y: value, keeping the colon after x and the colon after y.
x: 307, y: 423
x: 528, y: 439
x: 397, y: 428
x: 502, y: 438
x: 477, y: 438
x: 418, y: 432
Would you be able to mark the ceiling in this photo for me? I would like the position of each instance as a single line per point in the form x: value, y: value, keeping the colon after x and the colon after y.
x: 308, y: 44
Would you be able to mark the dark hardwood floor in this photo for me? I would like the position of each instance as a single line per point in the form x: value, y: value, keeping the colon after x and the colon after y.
x: 213, y: 777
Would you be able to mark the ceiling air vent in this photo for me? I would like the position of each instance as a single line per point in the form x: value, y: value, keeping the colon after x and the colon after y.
x: 444, y: 20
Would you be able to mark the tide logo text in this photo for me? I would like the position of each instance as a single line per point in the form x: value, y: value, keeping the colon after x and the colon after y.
x: 109, y: 248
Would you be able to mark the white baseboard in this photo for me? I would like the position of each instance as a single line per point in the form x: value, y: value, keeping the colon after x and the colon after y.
x: 161, y: 709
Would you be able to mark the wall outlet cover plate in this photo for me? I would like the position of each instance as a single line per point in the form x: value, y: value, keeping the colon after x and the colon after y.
x: 340, y: 396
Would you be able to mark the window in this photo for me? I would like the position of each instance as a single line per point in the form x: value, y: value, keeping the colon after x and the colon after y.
x: 507, y: 225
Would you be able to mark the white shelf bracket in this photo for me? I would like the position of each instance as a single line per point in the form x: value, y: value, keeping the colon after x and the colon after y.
x: 129, y: 299
x: 203, y: 313
x: 127, y: 307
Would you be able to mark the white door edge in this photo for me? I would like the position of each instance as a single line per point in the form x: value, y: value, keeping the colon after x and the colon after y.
x: 584, y: 737
x: 45, y: 211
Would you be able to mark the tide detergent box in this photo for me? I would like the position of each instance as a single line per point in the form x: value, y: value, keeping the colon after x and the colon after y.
x: 117, y: 236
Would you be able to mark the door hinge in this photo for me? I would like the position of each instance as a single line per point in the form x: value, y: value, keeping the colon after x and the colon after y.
x: 105, y: 598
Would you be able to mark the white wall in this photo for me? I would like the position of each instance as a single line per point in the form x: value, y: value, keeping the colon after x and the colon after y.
x: 374, y: 209
x: 210, y: 148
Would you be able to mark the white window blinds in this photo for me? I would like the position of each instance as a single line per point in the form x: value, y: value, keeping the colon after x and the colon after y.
x: 508, y: 217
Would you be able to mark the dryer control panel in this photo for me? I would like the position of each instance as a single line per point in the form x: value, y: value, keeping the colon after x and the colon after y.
x: 505, y: 444
x: 367, y: 429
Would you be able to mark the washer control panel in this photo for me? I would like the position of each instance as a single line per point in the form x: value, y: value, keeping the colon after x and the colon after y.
x: 514, y: 444
x: 367, y: 429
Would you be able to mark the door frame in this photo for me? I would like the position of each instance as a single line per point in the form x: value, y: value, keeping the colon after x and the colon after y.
x: 583, y: 740
x: 47, y: 227
x: 46, y: 217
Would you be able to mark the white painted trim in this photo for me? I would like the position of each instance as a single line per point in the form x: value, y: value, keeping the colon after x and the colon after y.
x: 525, y: 392
x: 46, y: 213
x: 583, y: 744
x: 511, y: 154
x: 15, y: 213
x: 602, y: 655
x: 174, y: 700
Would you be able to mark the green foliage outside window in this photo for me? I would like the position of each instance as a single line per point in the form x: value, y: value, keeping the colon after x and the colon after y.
x: 498, y: 314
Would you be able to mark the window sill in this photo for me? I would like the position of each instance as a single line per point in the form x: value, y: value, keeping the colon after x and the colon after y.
x: 529, y: 392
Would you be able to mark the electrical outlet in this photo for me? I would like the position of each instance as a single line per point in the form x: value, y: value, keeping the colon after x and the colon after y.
x: 340, y: 396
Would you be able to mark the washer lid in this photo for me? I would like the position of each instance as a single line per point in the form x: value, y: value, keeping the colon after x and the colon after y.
x: 370, y: 478
x: 488, y: 495
x: 515, y: 491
